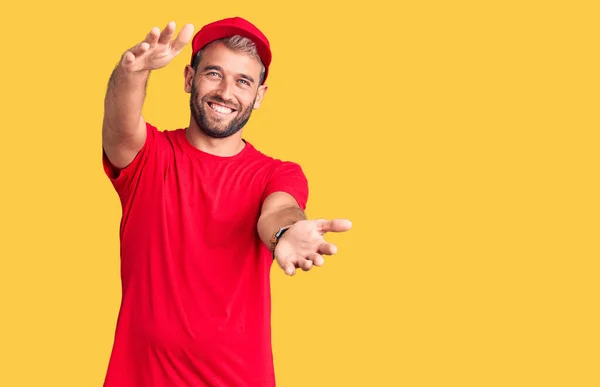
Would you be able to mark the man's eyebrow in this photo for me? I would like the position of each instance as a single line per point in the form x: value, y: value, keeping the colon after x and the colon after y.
x: 248, y: 77
x: 212, y: 67
x: 218, y: 68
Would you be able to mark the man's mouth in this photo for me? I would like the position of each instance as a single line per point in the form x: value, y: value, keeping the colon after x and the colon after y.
x: 220, y: 108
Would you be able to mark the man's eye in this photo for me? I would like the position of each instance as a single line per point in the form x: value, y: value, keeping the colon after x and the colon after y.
x: 245, y: 82
x: 212, y: 73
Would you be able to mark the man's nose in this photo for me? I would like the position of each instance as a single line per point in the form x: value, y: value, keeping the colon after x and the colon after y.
x: 226, y: 89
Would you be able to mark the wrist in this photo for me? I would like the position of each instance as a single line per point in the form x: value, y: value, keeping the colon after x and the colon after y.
x: 276, y: 237
x: 133, y: 74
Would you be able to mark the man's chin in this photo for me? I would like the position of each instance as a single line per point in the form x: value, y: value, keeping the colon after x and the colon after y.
x: 219, y: 128
x: 218, y: 132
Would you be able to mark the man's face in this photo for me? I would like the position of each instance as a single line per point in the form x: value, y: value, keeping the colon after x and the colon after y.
x: 224, y: 90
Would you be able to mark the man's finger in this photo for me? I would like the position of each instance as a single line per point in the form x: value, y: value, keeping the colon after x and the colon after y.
x: 144, y: 46
x: 288, y: 264
x: 335, y: 225
x: 128, y: 58
x: 317, y: 259
x: 305, y: 264
x: 139, y: 49
x: 327, y: 249
x: 167, y: 33
x: 289, y: 268
x: 183, y: 37
x: 153, y: 35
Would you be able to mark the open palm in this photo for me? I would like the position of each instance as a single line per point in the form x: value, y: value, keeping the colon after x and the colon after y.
x: 304, y: 245
x: 158, y: 49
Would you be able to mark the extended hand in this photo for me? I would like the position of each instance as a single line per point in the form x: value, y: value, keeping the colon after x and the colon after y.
x: 303, y: 245
x: 157, y: 50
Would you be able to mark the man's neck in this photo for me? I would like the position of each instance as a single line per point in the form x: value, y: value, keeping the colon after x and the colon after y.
x: 223, y: 147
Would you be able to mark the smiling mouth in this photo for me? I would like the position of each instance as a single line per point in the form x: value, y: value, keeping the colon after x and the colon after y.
x: 220, y: 108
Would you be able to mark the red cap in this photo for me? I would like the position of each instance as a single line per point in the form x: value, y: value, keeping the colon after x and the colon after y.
x: 229, y: 27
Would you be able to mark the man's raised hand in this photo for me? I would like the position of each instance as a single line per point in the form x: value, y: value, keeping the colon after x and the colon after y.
x: 158, y: 49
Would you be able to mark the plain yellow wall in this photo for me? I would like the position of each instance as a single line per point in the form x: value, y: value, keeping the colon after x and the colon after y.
x: 461, y: 138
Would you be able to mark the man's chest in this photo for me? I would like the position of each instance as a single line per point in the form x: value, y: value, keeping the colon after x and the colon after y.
x: 218, y: 201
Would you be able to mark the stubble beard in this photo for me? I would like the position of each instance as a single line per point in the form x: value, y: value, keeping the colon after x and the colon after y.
x: 212, y: 127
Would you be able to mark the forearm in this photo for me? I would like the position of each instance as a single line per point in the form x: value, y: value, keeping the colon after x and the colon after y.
x: 123, y: 103
x: 270, y: 223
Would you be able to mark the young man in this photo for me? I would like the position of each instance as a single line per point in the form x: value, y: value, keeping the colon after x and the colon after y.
x: 204, y: 216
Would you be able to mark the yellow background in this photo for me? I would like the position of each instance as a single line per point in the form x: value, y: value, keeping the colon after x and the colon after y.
x: 461, y: 138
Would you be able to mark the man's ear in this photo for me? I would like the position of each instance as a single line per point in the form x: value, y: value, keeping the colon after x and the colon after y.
x: 188, y: 74
x: 260, y: 95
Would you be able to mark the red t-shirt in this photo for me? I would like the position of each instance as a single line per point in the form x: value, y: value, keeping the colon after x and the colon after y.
x: 196, y: 303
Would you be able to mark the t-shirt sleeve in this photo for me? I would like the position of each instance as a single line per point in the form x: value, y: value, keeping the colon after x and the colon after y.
x: 123, y: 180
x: 290, y: 178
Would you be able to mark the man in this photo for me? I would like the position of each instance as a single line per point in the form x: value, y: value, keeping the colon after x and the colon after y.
x: 204, y: 216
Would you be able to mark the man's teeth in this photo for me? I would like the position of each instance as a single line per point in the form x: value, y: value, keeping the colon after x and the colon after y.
x: 220, y: 109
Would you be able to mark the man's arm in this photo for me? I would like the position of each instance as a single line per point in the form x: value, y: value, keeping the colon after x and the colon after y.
x: 123, y: 127
x: 279, y: 209
x: 303, y: 245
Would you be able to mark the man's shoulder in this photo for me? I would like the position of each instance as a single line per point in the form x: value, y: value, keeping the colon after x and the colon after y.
x: 272, y: 161
x: 277, y: 168
x: 166, y: 132
x: 172, y: 132
x: 165, y: 137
